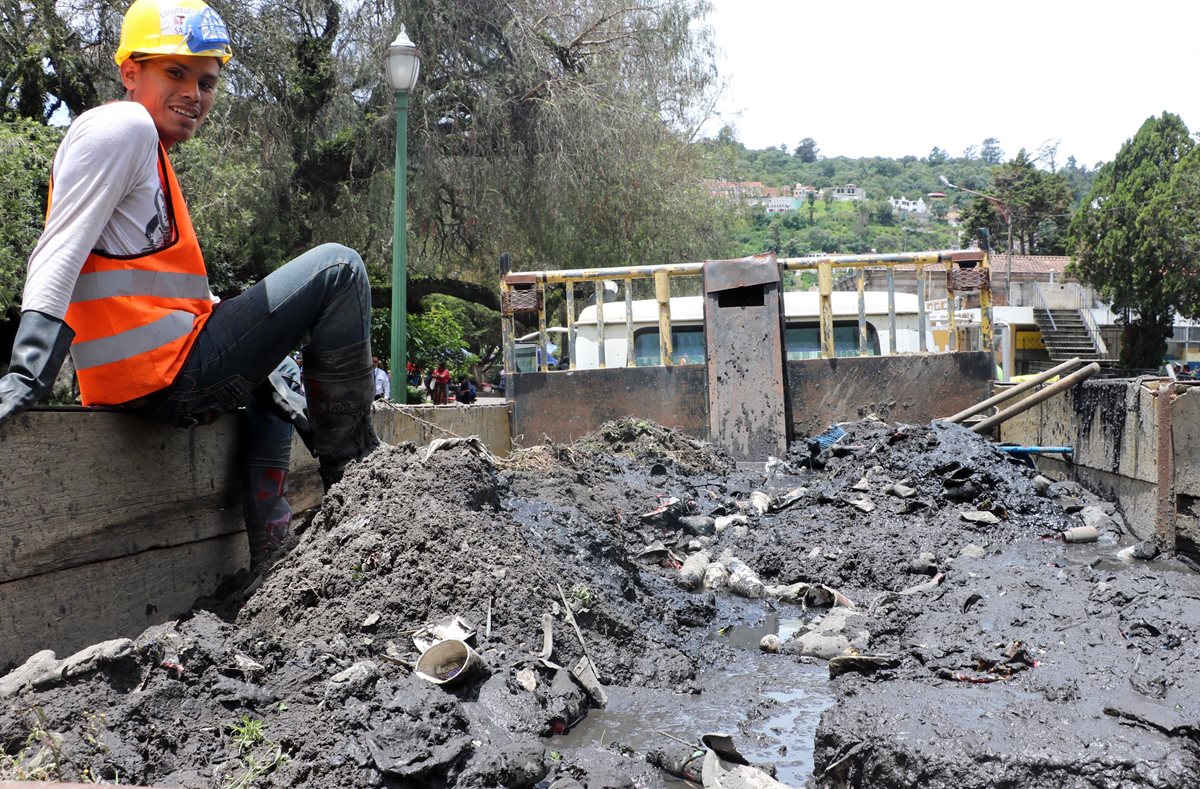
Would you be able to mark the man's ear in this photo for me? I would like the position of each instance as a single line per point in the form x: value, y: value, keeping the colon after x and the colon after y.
x: 129, y: 73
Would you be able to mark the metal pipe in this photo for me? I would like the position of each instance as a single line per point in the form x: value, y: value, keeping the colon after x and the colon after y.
x: 600, y: 317
x: 891, y: 280
x: 922, y: 321
x: 862, y: 312
x: 1009, y: 392
x: 628, y: 322
x: 662, y: 295
x: 542, y: 357
x: 571, y: 323
x: 1032, y: 400
x: 825, y: 286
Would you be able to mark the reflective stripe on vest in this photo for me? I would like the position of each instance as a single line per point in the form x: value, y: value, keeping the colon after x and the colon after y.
x: 143, y: 339
x: 162, y: 284
x: 137, y: 317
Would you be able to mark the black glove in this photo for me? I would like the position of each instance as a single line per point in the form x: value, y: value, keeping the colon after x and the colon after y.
x: 38, y: 353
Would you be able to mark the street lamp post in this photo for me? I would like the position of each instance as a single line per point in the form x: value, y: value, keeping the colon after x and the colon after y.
x: 1004, y: 212
x: 403, y: 67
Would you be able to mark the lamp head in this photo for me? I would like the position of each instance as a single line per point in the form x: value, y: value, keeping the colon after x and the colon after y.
x: 403, y: 63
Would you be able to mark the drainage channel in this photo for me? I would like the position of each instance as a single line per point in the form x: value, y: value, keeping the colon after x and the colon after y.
x: 770, y: 703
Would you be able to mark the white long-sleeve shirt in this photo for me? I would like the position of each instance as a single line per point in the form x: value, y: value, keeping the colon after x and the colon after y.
x: 107, y: 196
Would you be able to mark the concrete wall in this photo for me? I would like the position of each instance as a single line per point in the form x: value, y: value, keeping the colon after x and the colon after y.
x: 910, y: 388
x: 109, y: 523
x: 564, y: 405
x: 1115, y: 428
x: 913, y: 388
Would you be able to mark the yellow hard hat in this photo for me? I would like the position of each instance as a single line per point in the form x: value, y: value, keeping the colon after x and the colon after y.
x: 173, y: 27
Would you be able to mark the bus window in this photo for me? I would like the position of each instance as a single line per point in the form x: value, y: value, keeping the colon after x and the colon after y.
x: 687, y: 346
x: 803, y: 340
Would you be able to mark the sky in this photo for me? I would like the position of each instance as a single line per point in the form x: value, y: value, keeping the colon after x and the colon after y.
x: 873, y: 78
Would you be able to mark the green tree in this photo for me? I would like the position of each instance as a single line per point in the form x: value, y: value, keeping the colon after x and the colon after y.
x: 992, y: 153
x: 26, y: 150
x: 435, y: 336
x: 807, y: 150
x: 1130, y: 238
x: 811, y: 199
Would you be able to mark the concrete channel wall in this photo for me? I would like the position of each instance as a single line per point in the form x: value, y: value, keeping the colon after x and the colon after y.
x: 109, y: 523
x: 912, y: 388
x: 1128, y: 443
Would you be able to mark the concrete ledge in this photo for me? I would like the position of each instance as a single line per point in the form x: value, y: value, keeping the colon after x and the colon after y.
x: 1114, y: 427
x: 110, y: 523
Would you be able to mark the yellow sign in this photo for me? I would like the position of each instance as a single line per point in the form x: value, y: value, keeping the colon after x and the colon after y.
x: 1030, y: 341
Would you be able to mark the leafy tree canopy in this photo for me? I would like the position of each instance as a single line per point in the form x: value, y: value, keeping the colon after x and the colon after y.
x: 1135, y: 235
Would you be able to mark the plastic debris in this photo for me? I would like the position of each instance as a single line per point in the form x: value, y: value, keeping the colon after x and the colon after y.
x: 451, y: 627
x: 1081, y: 534
x: 979, y: 516
x: 743, y: 581
x: 691, y: 574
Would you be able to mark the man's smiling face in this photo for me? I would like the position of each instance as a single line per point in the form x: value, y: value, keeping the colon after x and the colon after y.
x: 177, y: 90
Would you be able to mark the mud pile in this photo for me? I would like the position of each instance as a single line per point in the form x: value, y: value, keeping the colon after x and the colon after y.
x: 995, y: 653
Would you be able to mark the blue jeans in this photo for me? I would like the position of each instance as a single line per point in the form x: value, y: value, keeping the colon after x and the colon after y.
x: 321, y: 297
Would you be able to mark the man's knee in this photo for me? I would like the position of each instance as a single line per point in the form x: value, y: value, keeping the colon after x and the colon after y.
x: 343, y: 257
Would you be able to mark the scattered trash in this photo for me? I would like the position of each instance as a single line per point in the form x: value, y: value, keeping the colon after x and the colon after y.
x: 448, y: 661
x: 1042, y: 484
x: 691, y: 574
x: 585, y: 673
x: 862, y: 485
x: 452, y: 627
x: 928, y: 586
x: 664, y: 514
x: 1013, y: 660
x: 972, y: 551
x: 716, y: 576
x: 759, y: 503
x: 743, y: 581
x: 821, y: 596
x: 722, y: 774
x: 866, y: 505
x: 788, y: 499
x: 372, y: 619
x: 924, y: 564
x: 826, y: 440
x: 527, y: 679
x: 1081, y: 534
x: 979, y: 516
x: 700, y: 525
x: 769, y: 643
x: 722, y: 745
x: 1144, y: 550
x: 655, y: 552
x: 900, y: 490
x: 860, y: 664
x: 723, y: 522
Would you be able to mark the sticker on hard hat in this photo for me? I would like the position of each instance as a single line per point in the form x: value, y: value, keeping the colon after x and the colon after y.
x: 171, y: 20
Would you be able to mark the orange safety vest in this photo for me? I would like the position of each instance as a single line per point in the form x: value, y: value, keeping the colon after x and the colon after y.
x: 136, y: 317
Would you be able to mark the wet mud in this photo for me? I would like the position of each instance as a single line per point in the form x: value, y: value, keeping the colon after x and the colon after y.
x: 919, y: 566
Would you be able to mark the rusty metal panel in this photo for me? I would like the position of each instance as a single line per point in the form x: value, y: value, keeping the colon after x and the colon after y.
x: 744, y: 338
x: 740, y: 273
x: 565, y: 405
x: 912, y: 388
x: 1164, y: 521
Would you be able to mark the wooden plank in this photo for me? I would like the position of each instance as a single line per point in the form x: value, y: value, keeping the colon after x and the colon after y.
x: 70, y: 609
x: 83, y: 486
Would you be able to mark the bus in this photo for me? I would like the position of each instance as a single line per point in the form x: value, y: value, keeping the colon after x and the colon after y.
x: 802, y: 333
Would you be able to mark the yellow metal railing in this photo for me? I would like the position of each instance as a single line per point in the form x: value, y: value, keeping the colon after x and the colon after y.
x: 524, y: 292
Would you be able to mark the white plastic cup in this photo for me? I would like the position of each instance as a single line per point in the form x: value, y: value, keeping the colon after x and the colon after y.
x: 448, y: 661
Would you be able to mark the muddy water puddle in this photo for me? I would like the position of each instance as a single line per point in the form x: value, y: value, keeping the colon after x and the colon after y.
x: 770, y: 703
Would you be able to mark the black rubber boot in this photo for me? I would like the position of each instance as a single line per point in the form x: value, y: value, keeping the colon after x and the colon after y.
x: 39, y: 350
x: 340, y: 389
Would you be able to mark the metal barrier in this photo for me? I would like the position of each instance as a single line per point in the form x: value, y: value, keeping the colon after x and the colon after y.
x: 525, y: 293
